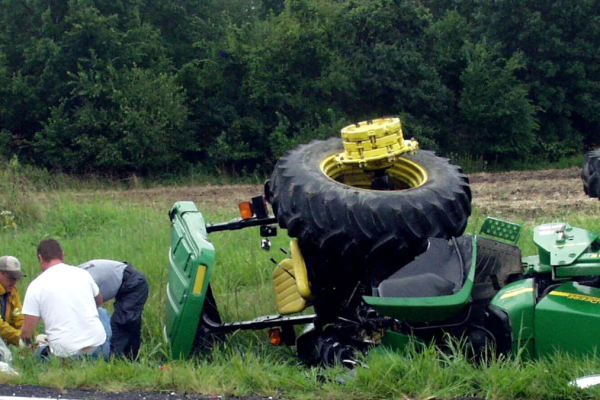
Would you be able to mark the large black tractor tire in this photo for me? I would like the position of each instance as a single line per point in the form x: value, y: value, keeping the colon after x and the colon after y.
x: 206, y: 338
x: 349, y: 232
x: 590, y: 174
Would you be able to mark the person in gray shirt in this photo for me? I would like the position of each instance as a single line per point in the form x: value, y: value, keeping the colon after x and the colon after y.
x: 119, y: 280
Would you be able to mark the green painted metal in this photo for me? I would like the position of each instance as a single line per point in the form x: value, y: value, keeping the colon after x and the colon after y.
x: 563, y: 315
x: 560, y: 243
x: 532, y: 265
x: 518, y: 301
x: 498, y: 229
x: 564, y: 251
x: 426, y: 309
x: 579, y: 269
x: 191, y: 258
x: 395, y: 340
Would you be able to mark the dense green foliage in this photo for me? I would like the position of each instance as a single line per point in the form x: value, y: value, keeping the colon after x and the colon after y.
x: 150, y: 86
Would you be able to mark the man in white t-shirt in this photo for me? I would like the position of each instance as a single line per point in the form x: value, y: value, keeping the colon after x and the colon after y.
x: 66, y: 298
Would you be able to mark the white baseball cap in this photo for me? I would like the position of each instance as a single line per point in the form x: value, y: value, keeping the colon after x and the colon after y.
x: 11, y: 266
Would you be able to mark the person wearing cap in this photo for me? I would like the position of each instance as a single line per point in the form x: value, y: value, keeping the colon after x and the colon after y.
x: 67, y: 299
x: 119, y: 280
x: 11, y: 316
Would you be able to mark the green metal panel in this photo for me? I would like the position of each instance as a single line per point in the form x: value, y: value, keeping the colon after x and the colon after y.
x: 191, y: 258
x: 560, y: 243
x: 533, y: 265
x: 518, y: 300
x: 568, y: 319
x: 498, y: 229
x: 394, y: 340
x: 426, y: 309
x: 578, y: 269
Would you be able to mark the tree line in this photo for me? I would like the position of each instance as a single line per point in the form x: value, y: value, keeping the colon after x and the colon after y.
x: 152, y: 86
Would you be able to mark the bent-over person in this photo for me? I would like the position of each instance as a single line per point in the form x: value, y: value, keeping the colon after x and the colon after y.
x: 119, y: 280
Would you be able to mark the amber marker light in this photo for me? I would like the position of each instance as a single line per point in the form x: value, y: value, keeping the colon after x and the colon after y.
x: 275, y: 337
x: 245, y: 210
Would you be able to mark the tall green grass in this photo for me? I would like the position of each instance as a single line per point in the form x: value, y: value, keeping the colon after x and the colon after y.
x: 90, y: 225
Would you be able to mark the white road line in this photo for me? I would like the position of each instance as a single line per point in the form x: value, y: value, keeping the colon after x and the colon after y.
x: 30, y: 398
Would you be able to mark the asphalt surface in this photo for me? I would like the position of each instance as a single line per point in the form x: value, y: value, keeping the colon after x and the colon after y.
x: 19, y: 392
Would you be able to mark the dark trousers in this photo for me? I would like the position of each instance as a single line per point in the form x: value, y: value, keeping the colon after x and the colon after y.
x: 126, y: 321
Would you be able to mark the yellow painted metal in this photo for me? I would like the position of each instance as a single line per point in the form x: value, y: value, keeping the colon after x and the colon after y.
x: 374, y: 144
x: 404, y: 173
x: 199, y: 281
x: 513, y: 293
x: 290, y: 282
x: 300, y: 271
x: 287, y: 296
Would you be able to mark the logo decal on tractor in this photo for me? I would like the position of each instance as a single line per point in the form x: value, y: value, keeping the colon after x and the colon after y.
x: 580, y: 297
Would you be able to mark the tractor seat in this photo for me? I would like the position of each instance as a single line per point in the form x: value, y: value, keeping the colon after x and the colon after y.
x: 290, y: 283
x: 440, y: 271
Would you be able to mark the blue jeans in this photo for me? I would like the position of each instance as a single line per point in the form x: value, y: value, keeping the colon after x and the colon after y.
x: 102, y: 351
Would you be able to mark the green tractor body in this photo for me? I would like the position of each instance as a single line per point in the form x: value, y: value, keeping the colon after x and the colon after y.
x: 564, y: 319
x: 564, y: 251
x: 517, y: 303
x: 533, y: 305
x: 191, y: 319
x: 378, y: 255
x: 554, y: 306
x: 191, y: 259
x: 558, y: 308
x: 567, y: 320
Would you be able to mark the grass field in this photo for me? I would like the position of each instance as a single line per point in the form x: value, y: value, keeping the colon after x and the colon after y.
x: 96, y: 221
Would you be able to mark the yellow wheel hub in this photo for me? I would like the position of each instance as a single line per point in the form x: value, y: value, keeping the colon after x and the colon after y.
x: 374, y: 144
x: 404, y: 173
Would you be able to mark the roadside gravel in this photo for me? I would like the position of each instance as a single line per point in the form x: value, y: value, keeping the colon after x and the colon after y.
x: 16, y: 391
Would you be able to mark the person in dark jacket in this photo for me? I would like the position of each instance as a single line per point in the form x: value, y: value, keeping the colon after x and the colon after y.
x: 120, y: 281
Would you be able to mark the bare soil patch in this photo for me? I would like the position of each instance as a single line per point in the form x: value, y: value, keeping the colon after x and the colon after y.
x: 530, y: 194
x: 516, y: 194
x: 204, y: 196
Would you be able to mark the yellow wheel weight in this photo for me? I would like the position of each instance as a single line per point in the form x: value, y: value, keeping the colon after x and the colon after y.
x: 374, y: 144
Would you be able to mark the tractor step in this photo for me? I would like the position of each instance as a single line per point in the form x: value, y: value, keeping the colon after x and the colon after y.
x: 503, y: 230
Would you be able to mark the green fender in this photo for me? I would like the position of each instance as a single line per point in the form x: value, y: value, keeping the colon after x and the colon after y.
x: 191, y: 259
x: 568, y: 319
x: 518, y: 301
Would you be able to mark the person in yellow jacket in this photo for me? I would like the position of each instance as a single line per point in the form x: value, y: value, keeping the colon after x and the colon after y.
x: 11, y: 319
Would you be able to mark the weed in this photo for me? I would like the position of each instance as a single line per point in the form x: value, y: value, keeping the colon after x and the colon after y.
x: 8, y: 220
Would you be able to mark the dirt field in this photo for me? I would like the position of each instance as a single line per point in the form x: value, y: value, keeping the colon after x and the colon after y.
x: 529, y: 194
x: 521, y: 194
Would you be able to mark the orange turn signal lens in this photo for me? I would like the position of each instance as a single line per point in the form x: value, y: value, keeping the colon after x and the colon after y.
x: 275, y: 337
x: 245, y: 210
